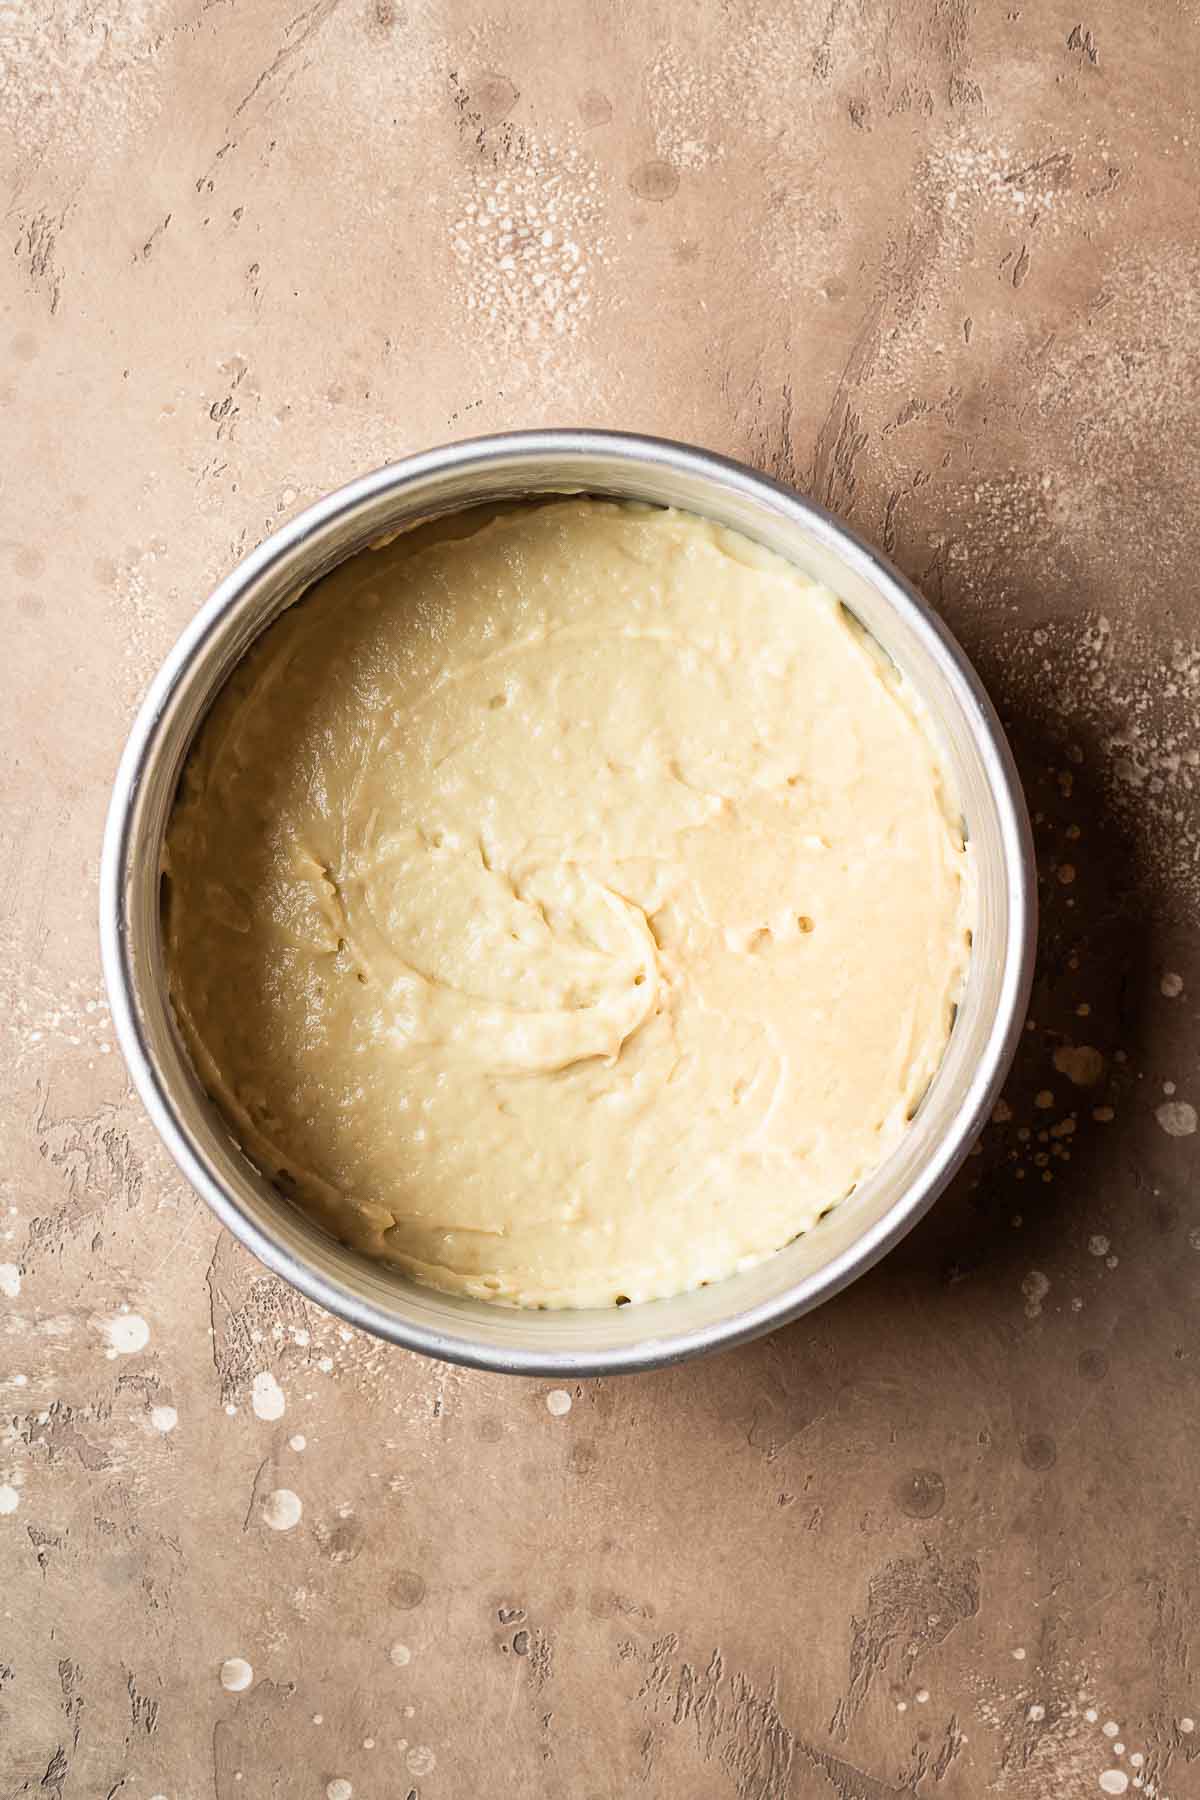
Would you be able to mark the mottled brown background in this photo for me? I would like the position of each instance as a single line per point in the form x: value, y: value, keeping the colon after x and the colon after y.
x: 936, y: 263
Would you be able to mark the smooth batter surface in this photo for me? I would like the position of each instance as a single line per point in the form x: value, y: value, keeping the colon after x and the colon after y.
x: 569, y: 912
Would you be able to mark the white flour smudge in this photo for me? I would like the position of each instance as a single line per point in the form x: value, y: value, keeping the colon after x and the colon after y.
x: 9, y: 1498
x: 981, y: 178
x: 236, y: 1674
x: 127, y: 1333
x: 1177, y: 1118
x: 10, y: 1280
x: 558, y: 1402
x: 267, y: 1397
x: 164, y: 1418
x: 281, y: 1509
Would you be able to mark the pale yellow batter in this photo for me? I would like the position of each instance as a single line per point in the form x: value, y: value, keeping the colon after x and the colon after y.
x: 571, y: 912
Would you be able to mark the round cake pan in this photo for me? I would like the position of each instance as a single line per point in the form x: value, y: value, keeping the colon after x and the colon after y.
x: 858, y: 1231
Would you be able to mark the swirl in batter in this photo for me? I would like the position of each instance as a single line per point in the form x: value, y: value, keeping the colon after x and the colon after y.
x: 568, y: 906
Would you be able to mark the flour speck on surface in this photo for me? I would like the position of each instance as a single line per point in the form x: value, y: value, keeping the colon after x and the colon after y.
x: 281, y: 1509
x: 126, y: 1334
x: 10, y: 1499
x: 1177, y: 1118
x: 421, y: 1760
x: 558, y: 1402
x: 164, y: 1418
x: 400, y: 1655
x: 236, y: 1674
x: 1171, y: 985
x: 1114, y: 1781
x: 10, y: 1280
x: 267, y: 1397
x: 339, y: 1789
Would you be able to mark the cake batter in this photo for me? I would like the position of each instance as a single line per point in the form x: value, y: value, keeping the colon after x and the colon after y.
x: 568, y: 907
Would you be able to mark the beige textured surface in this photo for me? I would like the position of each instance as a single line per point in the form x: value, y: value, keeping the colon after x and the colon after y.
x: 938, y: 265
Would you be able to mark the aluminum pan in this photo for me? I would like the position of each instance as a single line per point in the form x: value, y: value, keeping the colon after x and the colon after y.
x: 859, y: 1231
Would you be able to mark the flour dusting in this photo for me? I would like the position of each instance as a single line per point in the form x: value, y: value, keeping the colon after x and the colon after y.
x: 528, y: 240
x: 281, y: 1509
x: 125, y: 1334
x: 1128, y: 718
x: 1177, y: 1118
x: 267, y: 1397
x: 74, y: 75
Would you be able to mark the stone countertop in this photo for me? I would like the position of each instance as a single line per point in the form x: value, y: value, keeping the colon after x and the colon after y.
x: 936, y: 265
